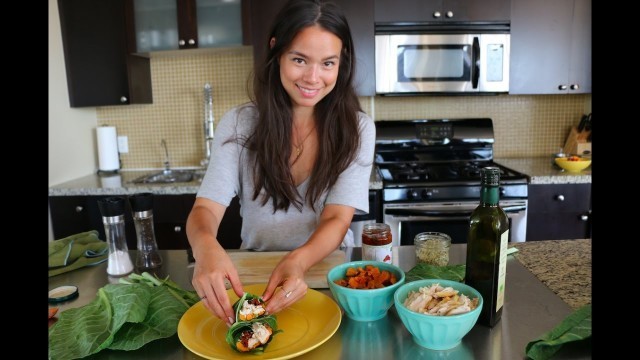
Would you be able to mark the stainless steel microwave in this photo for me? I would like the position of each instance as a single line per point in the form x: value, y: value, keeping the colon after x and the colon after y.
x: 442, y: 63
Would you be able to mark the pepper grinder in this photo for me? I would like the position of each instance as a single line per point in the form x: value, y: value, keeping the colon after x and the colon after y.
x: 112, y: 210
x: 142, y: 207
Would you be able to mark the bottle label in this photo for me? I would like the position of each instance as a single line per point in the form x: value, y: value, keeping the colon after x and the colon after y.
x: 502, y: 269
x: 377, y: 252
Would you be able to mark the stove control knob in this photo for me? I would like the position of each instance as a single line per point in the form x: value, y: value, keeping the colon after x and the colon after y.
x: 412, y: 194
x: 427, y: 194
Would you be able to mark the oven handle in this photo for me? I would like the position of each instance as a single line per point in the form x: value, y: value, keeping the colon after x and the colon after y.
x: 445, y: 213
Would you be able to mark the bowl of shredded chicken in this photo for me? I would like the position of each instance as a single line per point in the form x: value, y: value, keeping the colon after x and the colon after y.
x: 439, y: 301
x: 437, y: 312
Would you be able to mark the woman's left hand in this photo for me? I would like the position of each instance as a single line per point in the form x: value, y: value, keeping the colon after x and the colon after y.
x: 286, y: 285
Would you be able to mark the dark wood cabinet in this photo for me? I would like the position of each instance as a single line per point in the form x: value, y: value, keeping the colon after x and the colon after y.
x: 74, y: 214
x: 101, y: 69
x: 422, y: 11
x: 550, y: 47
x: 559, y: 212
x: 188, y: 24
x: 359, y: 14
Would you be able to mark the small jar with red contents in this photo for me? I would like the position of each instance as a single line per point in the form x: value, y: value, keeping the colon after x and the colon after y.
x: 376, y: 242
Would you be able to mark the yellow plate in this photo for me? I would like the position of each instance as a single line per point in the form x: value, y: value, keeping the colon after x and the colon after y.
x: 306, y: 325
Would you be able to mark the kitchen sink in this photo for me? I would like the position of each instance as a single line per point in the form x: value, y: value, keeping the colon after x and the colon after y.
x: 170, y: 176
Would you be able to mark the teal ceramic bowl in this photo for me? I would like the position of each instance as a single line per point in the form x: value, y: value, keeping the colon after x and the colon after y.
x: 364, y: 304
x: 437, y: 332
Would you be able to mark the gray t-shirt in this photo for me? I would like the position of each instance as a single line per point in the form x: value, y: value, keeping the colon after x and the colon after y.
x: 230, y: 174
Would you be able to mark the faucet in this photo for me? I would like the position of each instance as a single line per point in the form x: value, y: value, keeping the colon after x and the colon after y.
x: 208, y: 124
x: 163, y: 143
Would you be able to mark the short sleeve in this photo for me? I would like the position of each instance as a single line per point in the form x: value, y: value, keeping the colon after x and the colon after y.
x: 352, y: 186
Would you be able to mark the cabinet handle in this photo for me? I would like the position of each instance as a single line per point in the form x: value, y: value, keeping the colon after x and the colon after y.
x: 562, y: 87
x: 177, y: 229
x: 192, y: 42
x: 79, y: 208
x: 181, y: 42
x: 437, y: 14
x: 449, y: 14
x: 560, y: 197
x: 123, y: 99
x: 584, y: 217
x: 574, y: 87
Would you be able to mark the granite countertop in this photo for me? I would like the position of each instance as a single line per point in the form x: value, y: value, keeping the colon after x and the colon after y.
x: 562, y: 265
x: 541, y: 170
x: 121, y: 184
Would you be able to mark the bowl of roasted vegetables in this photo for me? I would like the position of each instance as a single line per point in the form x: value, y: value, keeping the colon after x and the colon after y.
x: 364, y: 289
x: 573, y: 163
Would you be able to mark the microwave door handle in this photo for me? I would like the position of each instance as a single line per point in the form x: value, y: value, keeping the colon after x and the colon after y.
x: 475, y: 63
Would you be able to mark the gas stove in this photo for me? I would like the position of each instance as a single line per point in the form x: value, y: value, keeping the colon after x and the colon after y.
x: 439, y: 159
x: 431, y: 177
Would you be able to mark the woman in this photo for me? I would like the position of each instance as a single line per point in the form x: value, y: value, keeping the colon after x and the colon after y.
x: 299, y: 157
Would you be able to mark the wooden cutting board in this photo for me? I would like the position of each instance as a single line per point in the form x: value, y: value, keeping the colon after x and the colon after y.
x: 255, y: 267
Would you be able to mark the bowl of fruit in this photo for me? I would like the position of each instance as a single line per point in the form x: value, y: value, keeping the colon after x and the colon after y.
x: 573, y: 163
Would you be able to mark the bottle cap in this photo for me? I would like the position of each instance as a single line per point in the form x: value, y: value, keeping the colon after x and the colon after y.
x: 490, y: 175
x: 141, y: 202
x: 111, y: 206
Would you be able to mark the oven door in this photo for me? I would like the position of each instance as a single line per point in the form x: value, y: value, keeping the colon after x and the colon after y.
x: 452, y: 218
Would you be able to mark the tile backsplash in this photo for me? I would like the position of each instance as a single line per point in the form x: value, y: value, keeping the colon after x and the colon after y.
x: 531, y: 125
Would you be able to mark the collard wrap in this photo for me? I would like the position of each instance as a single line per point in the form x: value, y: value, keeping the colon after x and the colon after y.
x: 253, y: 330
x: 253, y: 335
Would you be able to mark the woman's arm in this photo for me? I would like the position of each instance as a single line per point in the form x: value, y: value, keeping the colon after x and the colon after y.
x: 213, y: 265
x: 289, y: 273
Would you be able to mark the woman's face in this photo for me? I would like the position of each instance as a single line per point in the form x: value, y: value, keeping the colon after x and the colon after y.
x: 309, y: 67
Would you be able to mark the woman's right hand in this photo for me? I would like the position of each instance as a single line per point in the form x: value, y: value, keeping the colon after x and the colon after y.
x: 209, y: 275
x: 213, y: 264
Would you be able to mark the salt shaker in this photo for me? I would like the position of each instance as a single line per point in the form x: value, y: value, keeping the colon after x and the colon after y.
x: 112, y: 210
x: 147, y: 256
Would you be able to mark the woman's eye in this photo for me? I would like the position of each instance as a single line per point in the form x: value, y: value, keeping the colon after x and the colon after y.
x: 329, y: 64
x: 298, y: 60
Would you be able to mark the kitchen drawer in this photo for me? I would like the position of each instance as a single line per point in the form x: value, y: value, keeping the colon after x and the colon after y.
x: 558, y: 226
x: 559, y: 198
x: 171, y: 235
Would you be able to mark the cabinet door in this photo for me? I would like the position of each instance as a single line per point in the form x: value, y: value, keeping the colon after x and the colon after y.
x: 187, y: 24
x: 580, y: 67
x: 98, y: 65
x: 75, y: 214
x: 422, y: 11
x: 550, y: 47
x: 559, y: 212
x: 359, y: 14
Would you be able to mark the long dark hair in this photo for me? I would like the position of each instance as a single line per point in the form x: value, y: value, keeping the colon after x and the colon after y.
x: 336, y: 114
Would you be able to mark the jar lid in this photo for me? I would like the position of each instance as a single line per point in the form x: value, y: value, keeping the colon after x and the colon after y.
x: 63, y: 293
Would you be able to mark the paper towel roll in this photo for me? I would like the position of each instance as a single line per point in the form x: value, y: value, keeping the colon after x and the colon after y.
x: 114, y: 181
x: 107, y: 149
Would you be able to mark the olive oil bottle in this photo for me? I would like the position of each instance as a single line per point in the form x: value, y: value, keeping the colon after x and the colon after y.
x: 486, y: 264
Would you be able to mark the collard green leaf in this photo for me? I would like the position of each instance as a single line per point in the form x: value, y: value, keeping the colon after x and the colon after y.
x: 162, y: 317
x: 122, y: 317
x: 575, y: 327
x: 88, y: 329
x: 427, y: 271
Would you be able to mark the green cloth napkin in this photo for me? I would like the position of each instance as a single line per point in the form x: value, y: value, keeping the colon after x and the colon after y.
x: 575, y: 327
x: 76, y: 251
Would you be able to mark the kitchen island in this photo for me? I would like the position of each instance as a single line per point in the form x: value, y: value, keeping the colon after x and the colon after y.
x: 531, y: 309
